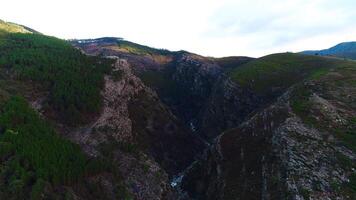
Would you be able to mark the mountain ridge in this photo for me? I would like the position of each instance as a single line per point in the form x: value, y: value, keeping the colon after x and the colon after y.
x: 345, y: 50
x: 171, y: 125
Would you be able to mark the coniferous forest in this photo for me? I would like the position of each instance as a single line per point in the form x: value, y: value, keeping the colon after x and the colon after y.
x: 73, y: 79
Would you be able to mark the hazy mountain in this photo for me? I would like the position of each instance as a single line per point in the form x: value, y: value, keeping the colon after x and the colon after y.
x: 342, y: 50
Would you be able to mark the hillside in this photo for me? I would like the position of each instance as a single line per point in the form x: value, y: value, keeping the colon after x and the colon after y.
x: 229, y: 63
x: 272, y: 74
x: 7, y: 27
x: 182, y: 80
x: 111, y: 119
x: 300, y: 147
x: 35, y: 159
x: 249, y: 87
x: 346, y: 50
x: 80, y: 127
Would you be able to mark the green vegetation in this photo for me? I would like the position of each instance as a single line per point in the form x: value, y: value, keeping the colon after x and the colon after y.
x: 230, y: 63
x: 305, y: 193
x: 302, y: 106
x: 138, y: 49
x: 6, y: 27
x: 332, y: 86
x: 127, y: 147
x: 73, y: 79
x: 162, y: 81
x: 276, y: 72
x: 348, y: 189
x: 117, y: 75
x: 348, y: 137
x: 345, y: 161
x: 33, y: 154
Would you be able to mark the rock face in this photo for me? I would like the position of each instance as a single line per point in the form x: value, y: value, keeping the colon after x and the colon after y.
x: 234, y: 166
x: 194, y: 88
x: 296, y: 146
x: 227, y: 106
x: 194, y: 77
x: 138, y: 133
x: 291, y: 150
x: 138, y: 56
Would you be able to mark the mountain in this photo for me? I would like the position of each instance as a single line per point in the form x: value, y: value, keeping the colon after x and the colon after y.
x: 342, y: 50
x: 184, y: 81
x: 253, y: 85
x: 89, y: 127
x: 107, y: 118
x: 242, y: 92
x: 300, y: 146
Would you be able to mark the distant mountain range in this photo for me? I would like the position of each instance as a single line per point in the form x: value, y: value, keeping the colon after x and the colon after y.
x: 342, y: 50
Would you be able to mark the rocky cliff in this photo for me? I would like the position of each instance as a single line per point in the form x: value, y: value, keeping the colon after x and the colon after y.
x: 300, y: 147
x: 196, y: 89
x: 136, y: 132
x: 284, y: 147
x: 228, y: 105
x: 140, y: 134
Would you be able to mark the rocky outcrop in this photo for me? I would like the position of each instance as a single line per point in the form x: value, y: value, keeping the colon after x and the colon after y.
x: 234, y: 166
x: 150, y: 59
x: 278, y: 154
x: 193, y: 87
x: 139, y: 134
x: 195, y: 77
x: 228, y: 106
x: 296, y: 146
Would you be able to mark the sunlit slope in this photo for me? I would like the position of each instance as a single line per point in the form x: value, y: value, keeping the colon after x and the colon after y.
x: 272, y: 74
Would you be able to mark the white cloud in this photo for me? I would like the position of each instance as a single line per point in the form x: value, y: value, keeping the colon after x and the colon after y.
x: 208, y: 27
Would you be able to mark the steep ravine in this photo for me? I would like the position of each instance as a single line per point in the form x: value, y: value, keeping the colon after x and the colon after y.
x: 227, y: 107
x: 278, y: 154
x: 137, y: 133
x: 194, y: 88
x: 154, y: 124
x: 268, y: 148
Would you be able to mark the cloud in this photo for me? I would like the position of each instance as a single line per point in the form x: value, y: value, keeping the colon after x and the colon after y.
x: 281, y: 22
x: 208, y: 27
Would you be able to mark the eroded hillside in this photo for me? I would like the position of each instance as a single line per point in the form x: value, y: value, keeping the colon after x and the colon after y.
x: 300, y: 147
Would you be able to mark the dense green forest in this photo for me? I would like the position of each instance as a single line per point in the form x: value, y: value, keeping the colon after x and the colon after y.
x: 32, y: 154
x: 73, y: 79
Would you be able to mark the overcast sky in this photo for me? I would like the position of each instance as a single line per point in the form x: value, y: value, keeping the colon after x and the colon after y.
x: 208, y: 27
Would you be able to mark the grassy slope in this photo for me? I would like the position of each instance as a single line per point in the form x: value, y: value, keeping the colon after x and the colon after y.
x: 338, y: 87
x: 332, y: 80
x: 275, y: 73
x: 230, y: 63
x: 138, y: 49
x: 6, y: 27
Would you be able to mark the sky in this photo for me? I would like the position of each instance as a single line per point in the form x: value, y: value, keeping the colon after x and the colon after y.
x: 208, y: 27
